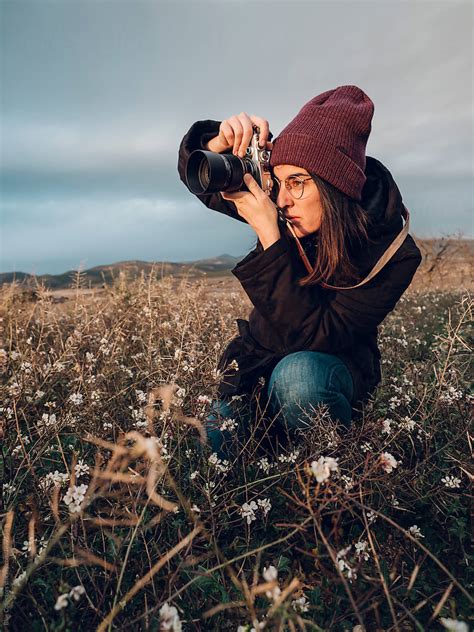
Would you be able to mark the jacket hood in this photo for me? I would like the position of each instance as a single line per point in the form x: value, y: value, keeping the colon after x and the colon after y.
x: 382, y: 200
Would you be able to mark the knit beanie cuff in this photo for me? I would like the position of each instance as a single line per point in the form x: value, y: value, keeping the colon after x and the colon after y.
x: 325, y: 160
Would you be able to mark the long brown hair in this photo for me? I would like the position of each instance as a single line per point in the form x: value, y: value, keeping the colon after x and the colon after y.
x: 343, y: 231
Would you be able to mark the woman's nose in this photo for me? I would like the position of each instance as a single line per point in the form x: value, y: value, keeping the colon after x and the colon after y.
x: 283, y: 197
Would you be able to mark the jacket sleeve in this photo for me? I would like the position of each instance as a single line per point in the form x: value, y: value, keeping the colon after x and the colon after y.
x: 197, y: 136
x: 312, y: 318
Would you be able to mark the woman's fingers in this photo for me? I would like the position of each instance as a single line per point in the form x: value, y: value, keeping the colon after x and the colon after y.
x: 226, y: 134
x: 263, y: 125
x: 247, y: 133
x: 236, y: 132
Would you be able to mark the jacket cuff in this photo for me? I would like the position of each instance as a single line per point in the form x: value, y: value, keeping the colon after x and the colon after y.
x: 201, y: 133
x: 257, y: 261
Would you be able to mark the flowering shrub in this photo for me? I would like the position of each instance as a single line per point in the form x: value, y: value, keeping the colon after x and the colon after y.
x: 117, y: 515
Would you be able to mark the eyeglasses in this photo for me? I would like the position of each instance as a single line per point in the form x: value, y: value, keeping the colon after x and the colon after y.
x: 294, y: 185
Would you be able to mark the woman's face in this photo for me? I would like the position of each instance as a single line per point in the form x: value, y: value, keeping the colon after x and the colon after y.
x: 306, y: 212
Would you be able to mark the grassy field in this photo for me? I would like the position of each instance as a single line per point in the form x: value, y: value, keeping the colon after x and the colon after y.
x: 115, y: 518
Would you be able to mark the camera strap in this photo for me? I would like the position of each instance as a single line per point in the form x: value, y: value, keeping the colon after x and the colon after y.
x: 387, y: 255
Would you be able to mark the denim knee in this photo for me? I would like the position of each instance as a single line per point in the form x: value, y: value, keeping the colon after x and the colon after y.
x: 306, y: 378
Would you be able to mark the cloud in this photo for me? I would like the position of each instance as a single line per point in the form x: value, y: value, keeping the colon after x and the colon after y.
x: 97, y: 96
x: 65, y: 147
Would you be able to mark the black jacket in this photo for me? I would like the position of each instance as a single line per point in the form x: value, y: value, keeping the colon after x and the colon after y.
x: 287, y: 317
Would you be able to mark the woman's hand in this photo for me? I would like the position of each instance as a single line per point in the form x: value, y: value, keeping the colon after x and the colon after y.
x: 257, y: 209
x: 236, y: 132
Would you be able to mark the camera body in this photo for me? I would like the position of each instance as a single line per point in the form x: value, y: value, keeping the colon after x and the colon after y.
x: 209, y: 172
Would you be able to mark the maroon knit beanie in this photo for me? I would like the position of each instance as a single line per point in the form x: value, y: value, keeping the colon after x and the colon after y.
x: 328, y: 137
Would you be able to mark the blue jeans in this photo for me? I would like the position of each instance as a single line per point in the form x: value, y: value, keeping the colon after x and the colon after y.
x: 299, y: 382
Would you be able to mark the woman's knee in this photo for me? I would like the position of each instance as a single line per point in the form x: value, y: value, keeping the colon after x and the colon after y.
x: 307, y: 378
x: 301, y: 374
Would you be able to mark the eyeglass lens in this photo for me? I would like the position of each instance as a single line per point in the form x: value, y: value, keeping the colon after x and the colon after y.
x: 294, y: 186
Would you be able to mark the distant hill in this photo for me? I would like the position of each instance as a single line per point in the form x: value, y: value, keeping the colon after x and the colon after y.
x: 447, y: 263
x: 104, y: 275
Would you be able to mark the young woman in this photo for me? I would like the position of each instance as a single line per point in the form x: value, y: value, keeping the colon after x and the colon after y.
x: 332, y: 259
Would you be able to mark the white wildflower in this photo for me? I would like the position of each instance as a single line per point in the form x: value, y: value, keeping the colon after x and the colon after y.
x: 141, y: 396
x: 361, y: 550
x: 264, y: 465
x: 228, y: 424
x: 14, y: 388
x: 248, y: 510
x: 216, y: 374
x: 264, y: 504
x: 270, y: 574
x: 407, y: 424
x: 301, y: 604
x: 387, y: 426
x: 46, y: 421
x: 388, y: 462
x: 81, y: 468
x: 451, y: 396
x: 61, y: 602
x: 347, y: 481
x: 343, y: 564
x: 221, y: 465
x: 74, y: 497
x: 454, y: 625
x: 394, y: 402
x: 289, y: 458
x: 169, y: 618
x: 90, y: 358
x: 104, y: 347
x: 76, y: 592
x: 76, y: 398
x: 19, y: 579
x: 26, y: 367
x: 8, y: 488
x: 371, y: 516
x: 323, y: 467
x: 53, y: 478
x: 415, y: 531
x: 95, y: 397
x: 451, y: 481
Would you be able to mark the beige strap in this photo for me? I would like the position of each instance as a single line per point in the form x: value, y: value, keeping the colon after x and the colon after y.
x: 387, y: 255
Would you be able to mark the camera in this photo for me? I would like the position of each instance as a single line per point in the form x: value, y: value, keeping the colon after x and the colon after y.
x: 210, y: 172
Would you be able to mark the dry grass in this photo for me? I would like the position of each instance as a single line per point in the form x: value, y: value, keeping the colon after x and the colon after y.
x: 112, y: 508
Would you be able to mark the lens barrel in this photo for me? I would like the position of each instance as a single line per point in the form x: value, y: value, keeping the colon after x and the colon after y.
x: 210, y: 172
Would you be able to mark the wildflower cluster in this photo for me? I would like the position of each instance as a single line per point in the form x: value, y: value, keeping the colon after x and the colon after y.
x: 248, y: 510
x: 74, y: 497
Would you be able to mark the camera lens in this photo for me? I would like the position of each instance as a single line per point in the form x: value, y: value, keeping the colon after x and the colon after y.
x: 210, y: 172
x: 204, y: 174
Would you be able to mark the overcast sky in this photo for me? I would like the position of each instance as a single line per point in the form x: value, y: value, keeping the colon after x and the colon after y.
x: 96, y: 96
